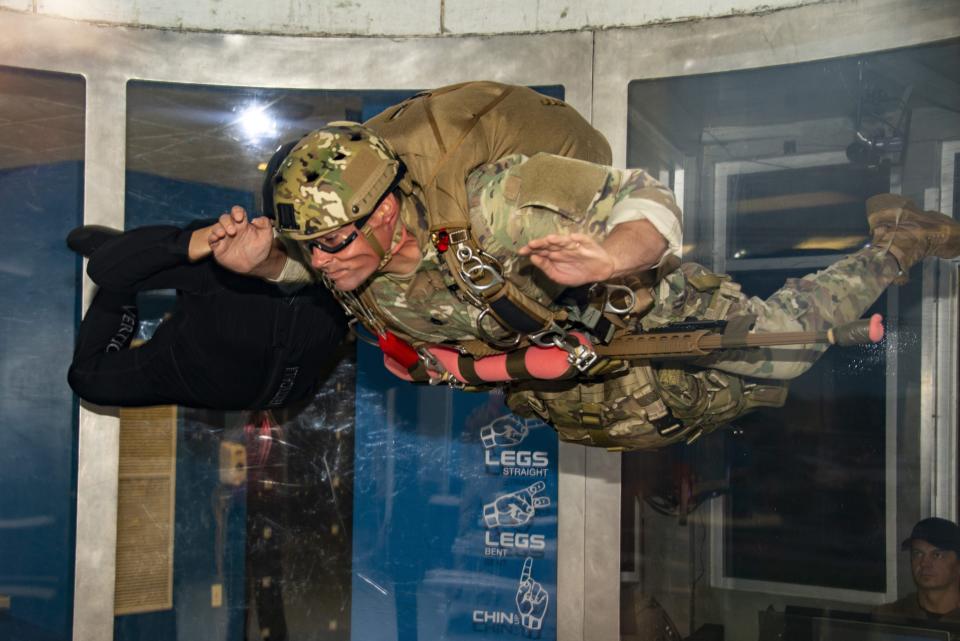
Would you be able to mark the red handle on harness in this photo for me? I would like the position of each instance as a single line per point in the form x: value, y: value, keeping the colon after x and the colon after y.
x: 398, y: 349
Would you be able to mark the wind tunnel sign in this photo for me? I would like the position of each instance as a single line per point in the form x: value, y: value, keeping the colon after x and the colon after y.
x: 455, y: 515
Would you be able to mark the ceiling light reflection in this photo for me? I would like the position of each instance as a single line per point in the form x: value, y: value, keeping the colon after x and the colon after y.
x: 256, y: 123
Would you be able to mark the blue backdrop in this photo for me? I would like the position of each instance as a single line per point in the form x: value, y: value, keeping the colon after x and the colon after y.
x: 39, y: 286
x: 453, y: 499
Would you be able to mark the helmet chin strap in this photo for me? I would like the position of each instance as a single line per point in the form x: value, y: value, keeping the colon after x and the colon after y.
x: 385, y: 255
x: 367, y: 231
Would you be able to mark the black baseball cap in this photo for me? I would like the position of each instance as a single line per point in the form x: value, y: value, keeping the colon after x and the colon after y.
x: 940, y: 533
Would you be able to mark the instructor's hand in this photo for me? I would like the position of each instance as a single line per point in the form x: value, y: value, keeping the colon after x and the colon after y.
x: 242, y: 245
x: 574, y: 259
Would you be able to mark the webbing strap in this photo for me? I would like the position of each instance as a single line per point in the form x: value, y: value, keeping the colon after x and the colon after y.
x: 518, y: 318
x: 736, y: 330
x: 418, y: 373
x: 467, y: 369
x: 513, y: 309
x: 516, y: 365
x: 367, y: 231
x: 433, y: 125
x: 463, y: 136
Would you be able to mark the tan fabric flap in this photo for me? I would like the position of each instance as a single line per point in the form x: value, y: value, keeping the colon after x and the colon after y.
x: 560, y: 184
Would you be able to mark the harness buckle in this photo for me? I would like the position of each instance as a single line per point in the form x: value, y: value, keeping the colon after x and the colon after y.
x: 609, y: 306
x: 458, y: 236
x: 582, y: 357
x: 432, y: 363
x: 454, y: 383
x: 579, y: 355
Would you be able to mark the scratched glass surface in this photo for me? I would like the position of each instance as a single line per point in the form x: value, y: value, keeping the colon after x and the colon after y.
x: 802, y: 506
x: 379, y: 510
x: 263, y: 551
x: 41, y: 199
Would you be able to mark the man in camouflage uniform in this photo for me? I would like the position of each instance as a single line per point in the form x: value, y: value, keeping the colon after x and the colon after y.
x: 549, y: 224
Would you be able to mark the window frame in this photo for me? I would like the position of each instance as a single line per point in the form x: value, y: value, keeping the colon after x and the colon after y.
x: 587, y: 478
x: 750, y: 42
x: 718, y: 578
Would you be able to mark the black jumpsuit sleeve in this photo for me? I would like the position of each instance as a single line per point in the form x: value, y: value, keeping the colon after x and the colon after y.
x: 148, y: 258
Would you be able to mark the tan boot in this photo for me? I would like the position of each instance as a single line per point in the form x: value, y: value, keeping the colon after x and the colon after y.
x: 909, y: 234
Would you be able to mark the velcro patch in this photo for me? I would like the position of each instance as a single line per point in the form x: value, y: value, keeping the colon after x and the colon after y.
x: 563, y: 185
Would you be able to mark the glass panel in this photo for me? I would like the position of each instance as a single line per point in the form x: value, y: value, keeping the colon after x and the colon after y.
x: 264, y: 553
x: 788, y: 515
x: 780, y: 213
x: 41, y: 191
x: 472, y: 509
x: 834, y: 427
x: 359, y: 513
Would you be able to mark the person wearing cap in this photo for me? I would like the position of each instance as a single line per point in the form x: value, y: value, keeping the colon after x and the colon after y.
x: 934, y: 547
x: 551, y: 233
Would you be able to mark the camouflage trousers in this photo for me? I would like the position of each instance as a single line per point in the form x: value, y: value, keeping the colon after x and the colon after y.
x: 656, y: 404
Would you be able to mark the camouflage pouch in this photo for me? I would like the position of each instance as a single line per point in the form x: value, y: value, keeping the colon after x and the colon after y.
x: 706, y: 399
x: 619, y: 412
x: 615, y: 412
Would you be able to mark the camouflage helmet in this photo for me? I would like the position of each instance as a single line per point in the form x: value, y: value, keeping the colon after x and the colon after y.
x: 333, y: 176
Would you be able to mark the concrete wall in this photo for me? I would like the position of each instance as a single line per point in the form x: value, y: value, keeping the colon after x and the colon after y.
x: 385, y: 18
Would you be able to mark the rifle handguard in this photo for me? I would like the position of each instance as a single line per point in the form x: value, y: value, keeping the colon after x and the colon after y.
x: 665, y: 344
x: 861, y: 332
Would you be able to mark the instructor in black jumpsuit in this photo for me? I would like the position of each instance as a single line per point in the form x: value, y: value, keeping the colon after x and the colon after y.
x: 232, y: 342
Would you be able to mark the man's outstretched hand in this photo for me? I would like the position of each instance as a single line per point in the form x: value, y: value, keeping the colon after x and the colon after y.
x: 574, y: 259
x: 577, y: 259
x: 245, y: 246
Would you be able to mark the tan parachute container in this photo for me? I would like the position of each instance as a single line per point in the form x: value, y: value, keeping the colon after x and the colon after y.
x: 444, y: 134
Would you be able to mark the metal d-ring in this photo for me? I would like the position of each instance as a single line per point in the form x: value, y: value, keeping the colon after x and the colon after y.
x: 352, y: 326
x: 473, y: 269
x: 629, y: 303
x: 496, y: 342
x: 475, y: 273
x: 551, y: 337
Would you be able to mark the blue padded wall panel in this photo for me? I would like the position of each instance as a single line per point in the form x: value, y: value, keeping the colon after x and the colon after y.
x: 455, y: 514
x: 39, y: 287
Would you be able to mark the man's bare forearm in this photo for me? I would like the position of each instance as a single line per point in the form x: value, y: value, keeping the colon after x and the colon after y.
x: 634, y: 246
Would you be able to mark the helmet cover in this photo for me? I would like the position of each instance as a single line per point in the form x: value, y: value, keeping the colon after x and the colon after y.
x: 332, y: 177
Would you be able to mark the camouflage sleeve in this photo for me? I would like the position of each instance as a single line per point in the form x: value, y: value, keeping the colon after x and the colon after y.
x: 641, y: 197
x: 516, y: 200
x: 638, y: 185
x: 295, y: 273
x: 293, y: 276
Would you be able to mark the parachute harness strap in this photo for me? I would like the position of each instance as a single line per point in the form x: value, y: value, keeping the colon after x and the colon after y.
x: 480, y: 281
